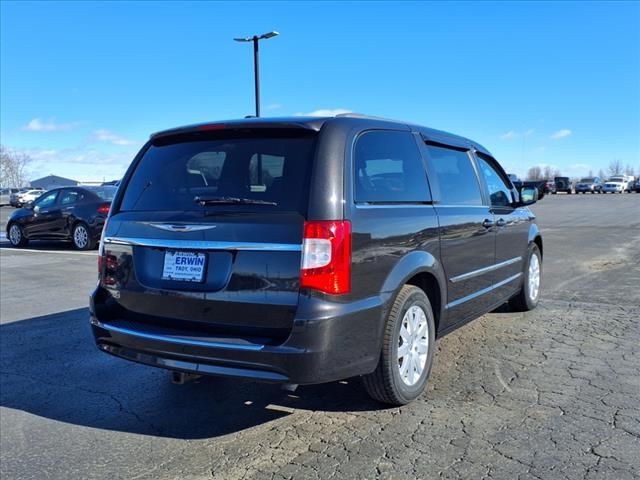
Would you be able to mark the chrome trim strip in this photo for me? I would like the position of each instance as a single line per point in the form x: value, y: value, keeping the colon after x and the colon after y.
x: 180, y: 227
x: 397, y: 205
x: 202, y: 244
x: 481, y: 271
x: 483, y: 291
x: 180, y: 341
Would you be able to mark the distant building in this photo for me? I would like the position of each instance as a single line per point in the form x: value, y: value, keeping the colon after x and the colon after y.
x: 53, y: 181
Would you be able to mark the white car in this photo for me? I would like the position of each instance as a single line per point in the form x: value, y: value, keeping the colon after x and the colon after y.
x: 28, y: 196
x: 616, y: 185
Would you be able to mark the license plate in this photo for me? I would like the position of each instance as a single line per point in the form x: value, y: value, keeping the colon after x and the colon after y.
x: 184, y: 266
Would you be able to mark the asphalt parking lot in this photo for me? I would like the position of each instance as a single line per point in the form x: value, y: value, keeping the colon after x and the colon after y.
x: 550, y: 394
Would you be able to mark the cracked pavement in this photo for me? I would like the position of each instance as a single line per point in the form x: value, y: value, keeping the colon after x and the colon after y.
x: 549, y: 394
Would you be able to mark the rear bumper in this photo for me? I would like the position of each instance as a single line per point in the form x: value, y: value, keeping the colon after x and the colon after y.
x: 329, y: 341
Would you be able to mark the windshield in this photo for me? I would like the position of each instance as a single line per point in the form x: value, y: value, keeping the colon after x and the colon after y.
x: 258, y: 171
x: 587, y: 180
x: 616, y: 179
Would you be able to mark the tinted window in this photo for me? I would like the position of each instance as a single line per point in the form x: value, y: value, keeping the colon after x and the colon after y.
x: 388, y: 168
x: 104, y: 192
x: 264, y: 167
x: 456, y: 177
x: 499, y: 193
x: 46, y: 200
x: 69, y: 197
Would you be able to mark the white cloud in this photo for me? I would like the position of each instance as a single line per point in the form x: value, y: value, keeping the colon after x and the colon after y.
x: 324, y: 112
x: 564, y: 133
x: 38, y: 125
x: 81, y: 163
x: 110, y: 137
x: 509, y: 135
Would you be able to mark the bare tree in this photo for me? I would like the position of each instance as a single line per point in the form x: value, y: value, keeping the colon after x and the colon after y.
x: 13, y: 168
x: 547, y: 172
x: 534, y: 173
x: 615, y: 167
x: 590, y: 173
x: 628, y: 170
x: 601, y: 174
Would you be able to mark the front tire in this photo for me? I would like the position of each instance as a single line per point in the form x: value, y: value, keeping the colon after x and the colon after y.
x: 407, y: 350
x: 16, y: 236
x: 81, y: 237
x: 529, y: 294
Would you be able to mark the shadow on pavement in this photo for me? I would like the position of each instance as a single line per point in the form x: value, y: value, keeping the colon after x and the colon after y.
x: 43, y: 245
x: 50, y: 367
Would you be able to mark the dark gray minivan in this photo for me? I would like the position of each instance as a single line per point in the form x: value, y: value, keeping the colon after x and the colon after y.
x: 307, y: 250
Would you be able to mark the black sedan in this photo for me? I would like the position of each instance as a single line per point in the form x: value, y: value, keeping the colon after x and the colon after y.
x: 75, y: 214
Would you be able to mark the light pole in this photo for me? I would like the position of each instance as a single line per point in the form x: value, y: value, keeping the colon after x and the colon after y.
x: 256, y: 67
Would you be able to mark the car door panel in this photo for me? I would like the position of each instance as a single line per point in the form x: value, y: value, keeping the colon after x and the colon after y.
x: 467, y: 236
x: 45, y: 213
x: 467, y: 245
x: 511, y: 227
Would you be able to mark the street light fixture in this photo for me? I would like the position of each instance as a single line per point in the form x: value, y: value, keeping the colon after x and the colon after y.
x: 256, y: 68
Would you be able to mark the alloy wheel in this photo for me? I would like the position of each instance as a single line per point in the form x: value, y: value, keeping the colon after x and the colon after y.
x: 534, y: 277
x: 80, y: 236
x: 15, y: 235
x: 413, y: 345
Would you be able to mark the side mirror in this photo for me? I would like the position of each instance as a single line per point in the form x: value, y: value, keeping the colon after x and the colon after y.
x: 528, y: 196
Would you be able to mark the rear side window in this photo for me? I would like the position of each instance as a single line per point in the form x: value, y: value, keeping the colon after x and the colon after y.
x: 69, y: 197
x: 455, y: 175
x: 389, y: 169
x: 104, y: 193
x: 259, y: 171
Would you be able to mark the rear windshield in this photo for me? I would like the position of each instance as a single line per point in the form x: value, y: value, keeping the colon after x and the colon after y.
x: 105, y: 192
x: 255, y: 171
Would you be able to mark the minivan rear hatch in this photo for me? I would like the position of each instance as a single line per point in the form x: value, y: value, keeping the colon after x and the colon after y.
x: 206, y: 232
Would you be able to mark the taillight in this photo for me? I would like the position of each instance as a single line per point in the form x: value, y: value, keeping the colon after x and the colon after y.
x: 326, y: 256
x: 102, y: 261
x: 104, y: 208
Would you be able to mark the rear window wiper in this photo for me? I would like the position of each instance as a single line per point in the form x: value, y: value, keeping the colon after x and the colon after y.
x: 231, y: 201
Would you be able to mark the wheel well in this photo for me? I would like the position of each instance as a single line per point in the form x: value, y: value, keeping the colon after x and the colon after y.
x: 538, y: 242
x: 428, y: 283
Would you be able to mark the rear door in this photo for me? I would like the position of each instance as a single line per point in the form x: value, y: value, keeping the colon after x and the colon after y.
x: 215, y: 220
x: 70, y: 199
x: 467, y: 237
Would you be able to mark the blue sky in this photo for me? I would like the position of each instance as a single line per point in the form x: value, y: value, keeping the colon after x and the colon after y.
x: 83, y: 85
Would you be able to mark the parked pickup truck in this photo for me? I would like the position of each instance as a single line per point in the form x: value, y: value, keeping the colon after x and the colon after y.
x: 540, y: 185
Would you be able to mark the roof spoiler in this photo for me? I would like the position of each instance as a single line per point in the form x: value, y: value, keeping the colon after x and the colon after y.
x: 249, y: 123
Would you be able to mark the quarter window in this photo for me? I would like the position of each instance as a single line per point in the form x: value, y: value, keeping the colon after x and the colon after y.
x: 456, y: 176
x: 389, y: 169
x: 499, y: 193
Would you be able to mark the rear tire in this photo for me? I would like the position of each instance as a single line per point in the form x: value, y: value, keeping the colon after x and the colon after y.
x: 407, y: 350
x: 81, y: 237
x: 529, y: 294
x: 16, y: 236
